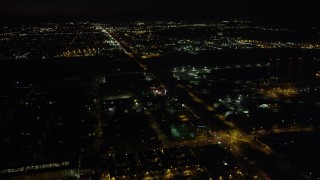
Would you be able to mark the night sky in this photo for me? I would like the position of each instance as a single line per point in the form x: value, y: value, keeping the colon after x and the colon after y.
x: 283, y: 8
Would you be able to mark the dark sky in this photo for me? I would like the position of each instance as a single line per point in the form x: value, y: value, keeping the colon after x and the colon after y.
x: 283, y: 8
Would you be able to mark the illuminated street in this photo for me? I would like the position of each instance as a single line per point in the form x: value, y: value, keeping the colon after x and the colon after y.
x: 118, y: 90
